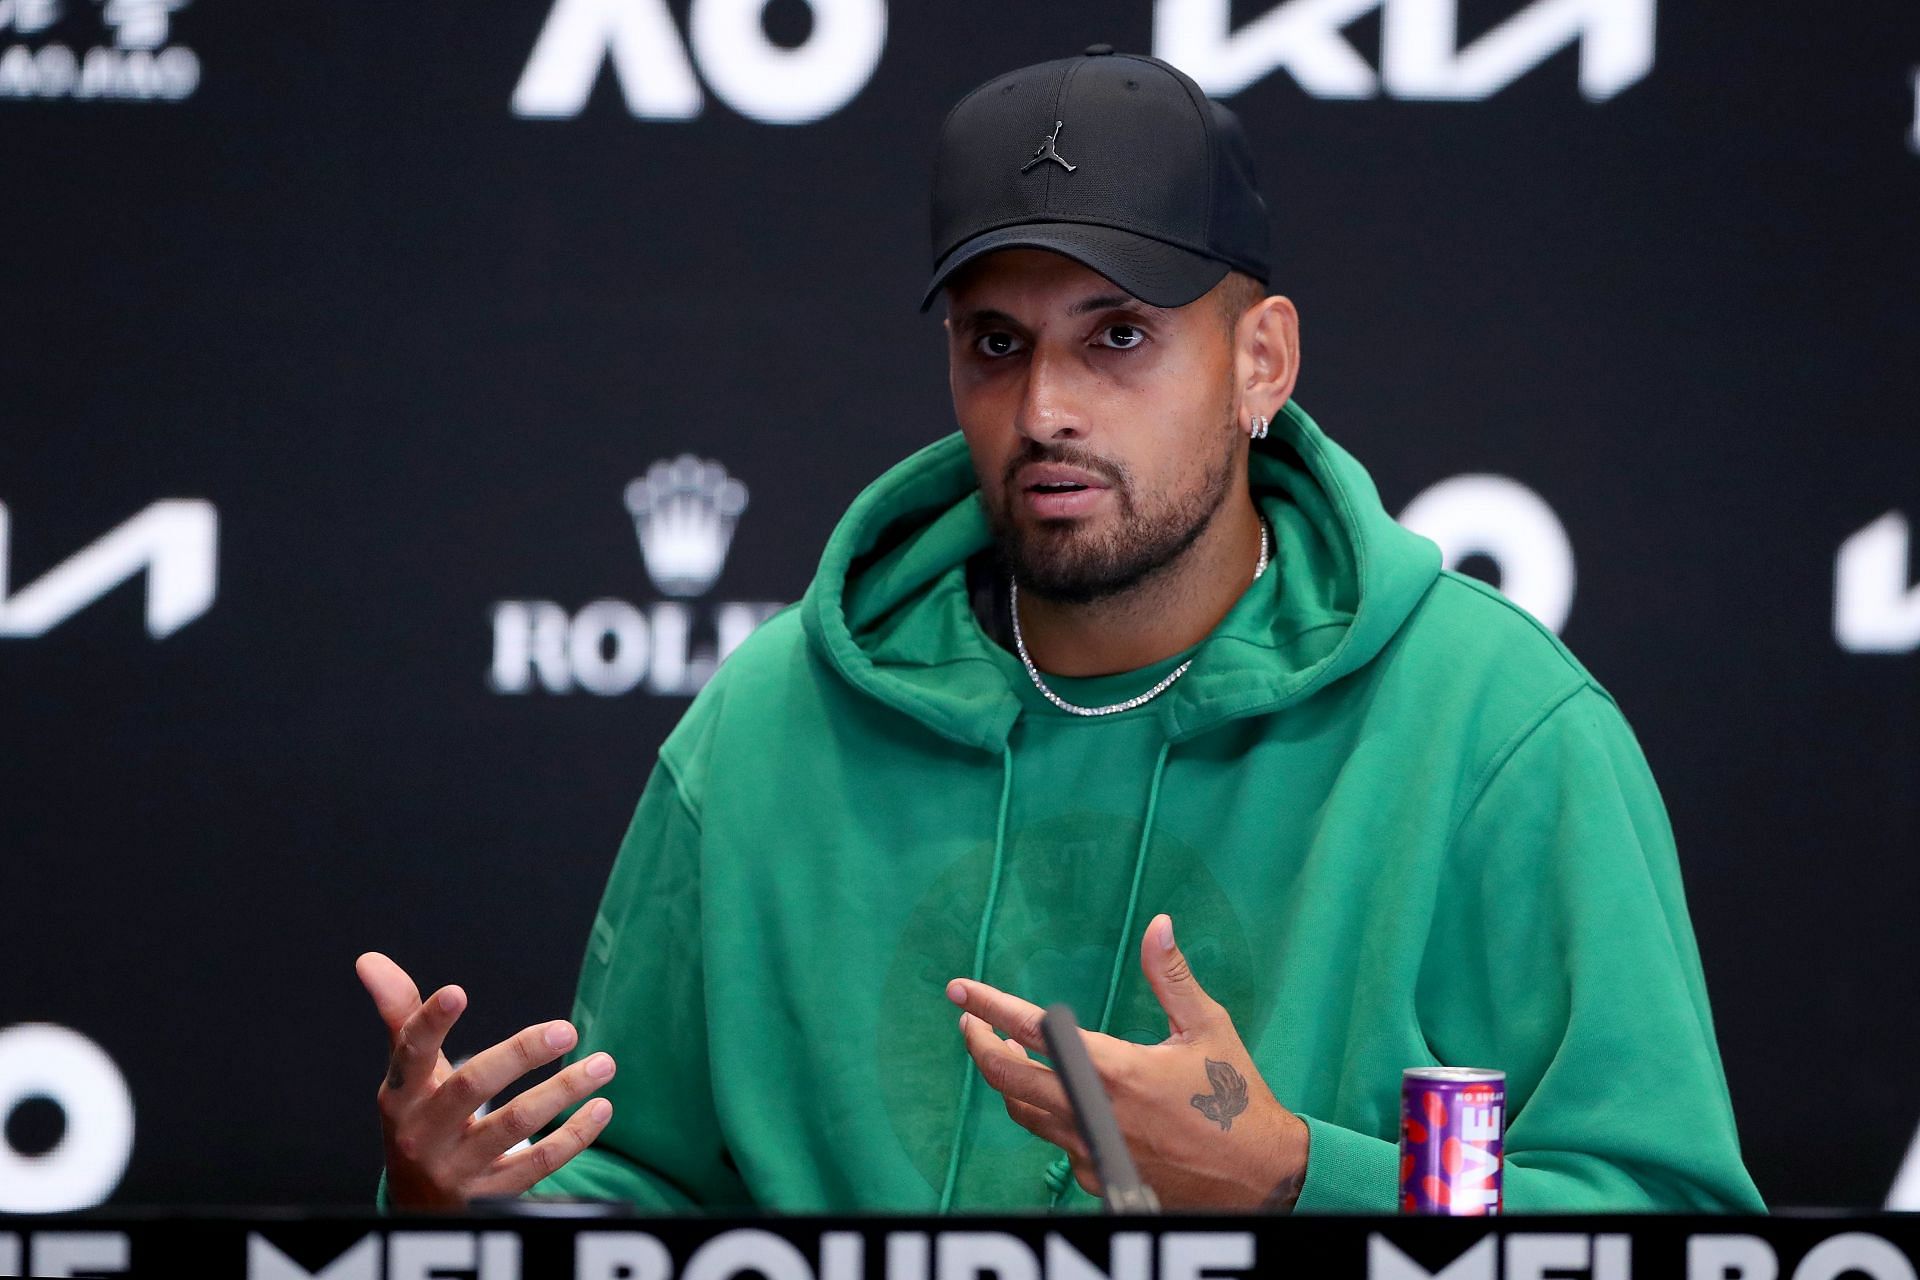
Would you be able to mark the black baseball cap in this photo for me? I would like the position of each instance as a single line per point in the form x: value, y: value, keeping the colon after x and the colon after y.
x: 1116, y: 160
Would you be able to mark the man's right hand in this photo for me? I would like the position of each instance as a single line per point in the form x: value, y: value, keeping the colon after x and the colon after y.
x: 439, y: 1155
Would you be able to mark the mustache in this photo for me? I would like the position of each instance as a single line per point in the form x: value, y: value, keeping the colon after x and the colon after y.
x: 1116, y: 476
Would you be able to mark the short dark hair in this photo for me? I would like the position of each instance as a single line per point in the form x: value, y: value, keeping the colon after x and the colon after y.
x: 1235, y: 293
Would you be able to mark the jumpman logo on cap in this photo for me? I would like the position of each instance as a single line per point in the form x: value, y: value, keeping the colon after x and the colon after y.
x: 1045, y: 151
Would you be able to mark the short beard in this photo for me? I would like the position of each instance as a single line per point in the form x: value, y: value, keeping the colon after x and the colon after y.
x: 1062, y: 563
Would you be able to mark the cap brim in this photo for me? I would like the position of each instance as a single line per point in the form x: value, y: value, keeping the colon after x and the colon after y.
x: 1157, y: 273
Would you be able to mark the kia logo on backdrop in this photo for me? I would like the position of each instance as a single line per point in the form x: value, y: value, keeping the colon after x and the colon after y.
x: 119, y: 50
x: 1420, y: 53
x: 684, y: 511
x: 175, y: 542
x: 726, y: 48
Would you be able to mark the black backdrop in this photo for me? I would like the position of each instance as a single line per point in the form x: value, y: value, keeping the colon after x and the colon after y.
x: 391, y: 352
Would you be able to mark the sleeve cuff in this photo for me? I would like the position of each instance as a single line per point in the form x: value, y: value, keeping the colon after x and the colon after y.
x: 1348, y: 1172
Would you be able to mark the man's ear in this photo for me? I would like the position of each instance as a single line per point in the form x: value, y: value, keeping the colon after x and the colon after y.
x: 1267, y: 354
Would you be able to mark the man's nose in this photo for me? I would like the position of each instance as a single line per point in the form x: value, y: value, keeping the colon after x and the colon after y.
x: 1049, y: 405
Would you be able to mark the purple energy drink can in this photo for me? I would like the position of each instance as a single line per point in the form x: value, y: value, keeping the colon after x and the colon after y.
x: 1452, y: 1133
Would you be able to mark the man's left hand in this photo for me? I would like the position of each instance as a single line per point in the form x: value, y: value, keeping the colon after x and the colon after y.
x: 1203, y: 1127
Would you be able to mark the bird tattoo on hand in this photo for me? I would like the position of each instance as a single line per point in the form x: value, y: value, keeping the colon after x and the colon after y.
x: 1229, y: 1096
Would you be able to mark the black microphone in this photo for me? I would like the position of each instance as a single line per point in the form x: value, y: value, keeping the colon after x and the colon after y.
x: 1093, y: 1115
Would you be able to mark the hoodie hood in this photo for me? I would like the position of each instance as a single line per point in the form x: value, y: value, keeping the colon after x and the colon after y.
x: 888, y: 608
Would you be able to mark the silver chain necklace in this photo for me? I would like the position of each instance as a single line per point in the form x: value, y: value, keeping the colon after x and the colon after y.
x: 1013, y: 606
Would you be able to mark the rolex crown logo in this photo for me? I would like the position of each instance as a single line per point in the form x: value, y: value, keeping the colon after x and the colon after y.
x: 684, y: 512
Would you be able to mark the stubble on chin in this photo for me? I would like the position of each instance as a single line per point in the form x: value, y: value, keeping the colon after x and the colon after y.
x: 1070, y: 562
x: 1066, y: 560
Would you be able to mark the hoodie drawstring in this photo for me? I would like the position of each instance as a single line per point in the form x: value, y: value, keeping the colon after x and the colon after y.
x: 979, y: 970
x: 1060, y: 1173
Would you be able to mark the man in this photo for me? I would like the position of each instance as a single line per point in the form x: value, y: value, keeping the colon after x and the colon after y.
x: 1129, y: 695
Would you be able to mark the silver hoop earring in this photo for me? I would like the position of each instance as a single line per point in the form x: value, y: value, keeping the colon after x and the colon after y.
x: 1259, y: 428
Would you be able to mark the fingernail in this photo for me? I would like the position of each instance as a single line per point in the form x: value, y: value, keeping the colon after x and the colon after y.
x: 599, y: 1109
x: 600, y: 1066
x: 957, y: 991
x: 1166, y: 936
x: 449, y: 1001
x: 559, y: 1036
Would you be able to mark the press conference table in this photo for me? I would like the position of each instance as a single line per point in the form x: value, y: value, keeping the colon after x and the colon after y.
x: 587, y: 1243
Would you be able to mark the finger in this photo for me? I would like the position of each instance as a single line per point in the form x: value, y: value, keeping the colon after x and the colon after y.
x: 1055, y: 1128
x: 1188, y: 1007
x: 1017, y: 1018
x: 1086, y: 1174
x: 1020, y: 1078
x: 1107, y: 1054
x: 393, y: 992
x: 528, y: 1113
x: 416, y: 1045
x: 513, y: 1173
x: 497, y: 1066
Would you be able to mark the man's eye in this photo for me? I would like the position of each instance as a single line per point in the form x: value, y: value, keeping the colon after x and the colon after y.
x: 994, y: 344
x: 1125, y: 336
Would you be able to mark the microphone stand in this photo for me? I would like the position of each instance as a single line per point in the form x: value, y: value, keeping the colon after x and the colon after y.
x: 1120, y: 1181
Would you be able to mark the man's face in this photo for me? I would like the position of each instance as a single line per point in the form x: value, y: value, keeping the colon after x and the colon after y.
x: 1103, y: 430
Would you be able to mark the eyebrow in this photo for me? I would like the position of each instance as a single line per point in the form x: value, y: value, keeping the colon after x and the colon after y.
x: 1105, y: 301
x: 981, y: 317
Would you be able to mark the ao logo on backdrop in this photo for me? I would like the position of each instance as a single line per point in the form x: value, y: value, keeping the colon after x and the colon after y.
x: 39, y: 1061
x: 1419, y: 52
x: 753, y: 75
x: 133, y: 59
x: 684, y: 512
x: 1509, y: 524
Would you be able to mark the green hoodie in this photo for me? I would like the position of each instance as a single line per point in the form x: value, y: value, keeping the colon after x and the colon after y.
x: 1395, y: 821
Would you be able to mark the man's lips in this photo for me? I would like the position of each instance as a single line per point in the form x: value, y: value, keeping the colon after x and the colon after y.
x: 1054, y: 477
x: 1055, y: 491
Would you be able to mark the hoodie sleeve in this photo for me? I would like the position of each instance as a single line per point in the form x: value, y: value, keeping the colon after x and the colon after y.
x: 1561, y: 952
x: 641, y: 999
